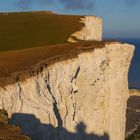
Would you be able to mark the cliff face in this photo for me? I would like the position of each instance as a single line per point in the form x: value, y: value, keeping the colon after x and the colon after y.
x: 68, y: 91
x: 92, y: 30
x: 85, y: 94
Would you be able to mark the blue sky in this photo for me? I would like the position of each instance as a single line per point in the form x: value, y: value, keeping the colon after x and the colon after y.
x: 121, y: 17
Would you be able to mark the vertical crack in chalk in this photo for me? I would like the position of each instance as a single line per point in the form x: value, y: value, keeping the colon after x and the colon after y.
x: 74, y: 90
x: 19, y: 94
x: 55, y: 109
x: 76, y: 74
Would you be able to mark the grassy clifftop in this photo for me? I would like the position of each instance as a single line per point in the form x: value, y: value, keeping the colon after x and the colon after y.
x: 34, y: 29
x: 27, y: 59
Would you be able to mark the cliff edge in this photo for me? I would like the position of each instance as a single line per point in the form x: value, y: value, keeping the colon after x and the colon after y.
x: 36, y: 29
x: 68, y: 91
x: 86, y: 87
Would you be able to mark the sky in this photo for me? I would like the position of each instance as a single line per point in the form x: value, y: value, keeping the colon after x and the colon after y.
x: 121, y: 18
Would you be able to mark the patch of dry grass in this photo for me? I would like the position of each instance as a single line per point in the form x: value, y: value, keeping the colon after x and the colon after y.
x: 27, y: 59
x: 35, y: 29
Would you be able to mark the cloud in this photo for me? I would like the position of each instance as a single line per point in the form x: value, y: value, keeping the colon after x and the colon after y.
x: 68, y: 4
x: 131, y: 2
x: 78, y: 4
x: 27, y: 4
x: 24, y: 4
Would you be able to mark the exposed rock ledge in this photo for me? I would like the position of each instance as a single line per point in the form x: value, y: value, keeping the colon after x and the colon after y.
x: 9, y: 132
x: 133, y: 113
x: 80, y: 98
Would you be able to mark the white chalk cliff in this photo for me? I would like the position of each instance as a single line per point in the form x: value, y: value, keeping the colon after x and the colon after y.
x: 86, y: 93
x: 92, y: 30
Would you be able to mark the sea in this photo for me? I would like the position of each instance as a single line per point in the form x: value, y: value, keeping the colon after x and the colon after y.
x: 134, y: 71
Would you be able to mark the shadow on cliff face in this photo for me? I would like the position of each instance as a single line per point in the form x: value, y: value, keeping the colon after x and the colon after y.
x: 32, y: 127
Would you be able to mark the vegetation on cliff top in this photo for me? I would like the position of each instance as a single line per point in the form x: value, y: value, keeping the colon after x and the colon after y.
x: 34, y: 29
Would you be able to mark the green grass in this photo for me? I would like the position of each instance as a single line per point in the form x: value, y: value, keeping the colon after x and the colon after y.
x: 34, y: 29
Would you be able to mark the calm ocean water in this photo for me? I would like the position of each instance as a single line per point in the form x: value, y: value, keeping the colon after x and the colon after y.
x: 134, y: 72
